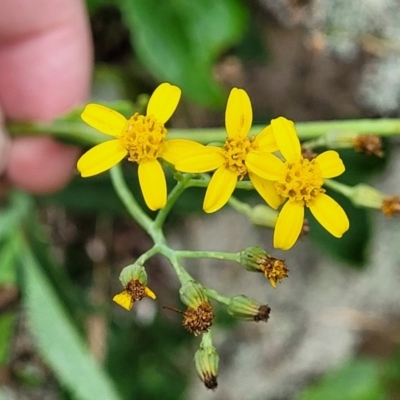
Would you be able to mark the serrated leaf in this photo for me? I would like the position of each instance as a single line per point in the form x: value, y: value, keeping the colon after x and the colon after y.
x: 58, y: 340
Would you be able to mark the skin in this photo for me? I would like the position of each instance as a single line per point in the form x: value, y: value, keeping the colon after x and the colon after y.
x: 45, y: 70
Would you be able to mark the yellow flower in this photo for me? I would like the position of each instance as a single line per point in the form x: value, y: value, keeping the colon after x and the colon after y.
x: 141, y: 138
x: 239, y: 156
x: 300, y: 181
x: 134, y: 291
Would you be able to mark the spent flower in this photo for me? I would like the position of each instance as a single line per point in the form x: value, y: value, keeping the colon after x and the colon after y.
x: 247, y: 309
x: 206, y: 361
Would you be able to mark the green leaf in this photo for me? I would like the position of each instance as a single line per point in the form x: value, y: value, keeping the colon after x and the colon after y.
x: 356, y: 380
x: 57, y: 339
x: 6, y: 335
x: 179, y: 40
x: 19, y: 205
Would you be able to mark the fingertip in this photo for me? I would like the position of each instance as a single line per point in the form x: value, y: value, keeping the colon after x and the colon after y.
x: 40, y: 165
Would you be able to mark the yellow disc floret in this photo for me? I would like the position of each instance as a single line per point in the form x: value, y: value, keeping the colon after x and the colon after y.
x: 301, y: 182
x: 235, y: 152
x: 143, y: 138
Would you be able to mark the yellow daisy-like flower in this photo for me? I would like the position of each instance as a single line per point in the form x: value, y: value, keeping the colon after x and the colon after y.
x: 134, y: 291
x: 239, y: 156
x: 141, y: 138
x: 300, y: 181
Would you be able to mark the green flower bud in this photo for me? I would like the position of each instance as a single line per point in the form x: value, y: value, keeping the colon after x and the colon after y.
x: 242, y: 307
x: 366, y: 196
x: 252, y: 258
x: 193, y: 294
x: 206, y: 361
x: 133, y: 272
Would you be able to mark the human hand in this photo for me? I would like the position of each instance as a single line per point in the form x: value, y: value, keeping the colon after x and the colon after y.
x: 45, y: 68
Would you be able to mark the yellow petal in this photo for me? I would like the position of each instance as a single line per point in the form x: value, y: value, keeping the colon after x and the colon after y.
x: 330, y: 163
x: 238, y: 114
x: 177, y: 148
x: 149, y: 293
x: 220, y: 189
x: 265, y: 165
x: 286, y: 137
x: 266, y: 140
x: 153, y: 184
x: 104, y: 119
x: 124, y: 299
x: 100, y: 158
x: 163, y: 102
x: 330, y: 215
x: 202, y: 160
x: 288, y: 225
x: 267, y: 190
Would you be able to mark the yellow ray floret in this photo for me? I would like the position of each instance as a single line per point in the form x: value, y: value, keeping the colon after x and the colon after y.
x: 239, y: 156
x: 140, y: 139
x: 299, y: 181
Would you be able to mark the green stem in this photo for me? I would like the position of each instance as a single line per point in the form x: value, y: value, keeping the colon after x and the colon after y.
x: 181, y: 272
x: 218, y: 297
x: 172, y: 198
x: 70, y: 131
x: 339, y: 187
x: 208, y: 254
x: 78, y: 132
x: 127, y: 198
x: 305, y: 130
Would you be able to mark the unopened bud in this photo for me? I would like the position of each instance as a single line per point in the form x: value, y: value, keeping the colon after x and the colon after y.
x: 206, y: 361
x: 242, y: 307
x: 366, y: 196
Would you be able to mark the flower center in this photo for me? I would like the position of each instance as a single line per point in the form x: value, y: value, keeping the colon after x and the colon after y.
x: 143, y: 138
x: 235, y: 152
x: 301, y: 182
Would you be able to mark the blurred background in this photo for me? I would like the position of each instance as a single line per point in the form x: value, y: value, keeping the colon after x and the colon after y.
x: 334, y: 330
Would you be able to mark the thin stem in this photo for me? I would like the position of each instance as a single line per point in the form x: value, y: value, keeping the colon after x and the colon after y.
x: 127, y: 198
x: 208, y: 254
x: 305, y: 130
x: 172, y: 198
x: 339, y: 187
x: 181, y: 272
x: 217, y: 296
x: 78, y: 132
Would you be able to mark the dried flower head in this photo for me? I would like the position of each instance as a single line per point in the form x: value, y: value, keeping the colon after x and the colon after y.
x: 391, y: 206
x: 198, y: 320
x: 369, y: 144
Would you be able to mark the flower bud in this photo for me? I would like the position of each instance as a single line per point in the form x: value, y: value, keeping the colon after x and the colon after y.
x: 206, y: 361
x: 242, y: 307
x: 366, y: 196
x: 134, y: 272
x: 193, y: 294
